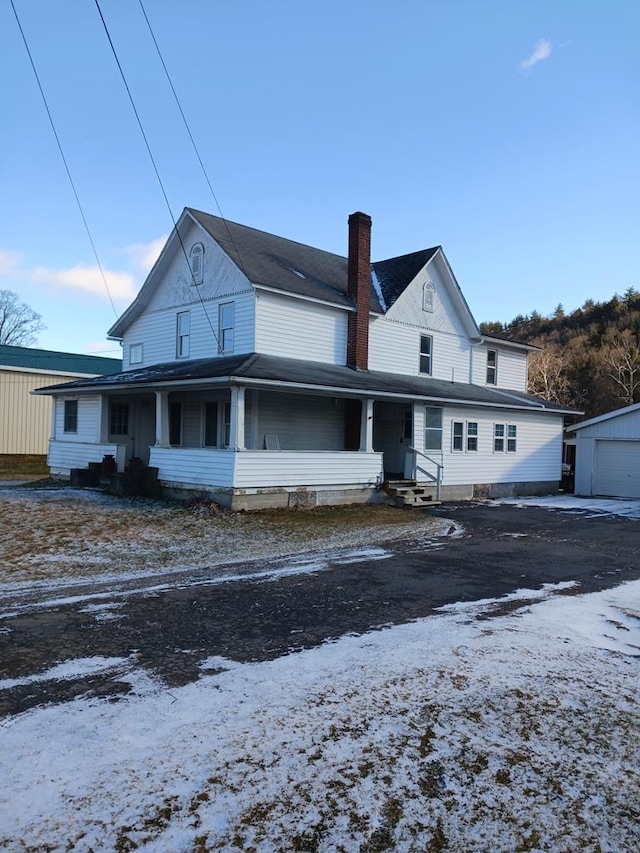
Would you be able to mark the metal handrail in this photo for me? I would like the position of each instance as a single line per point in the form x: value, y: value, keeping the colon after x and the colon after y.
x: 437, y: 478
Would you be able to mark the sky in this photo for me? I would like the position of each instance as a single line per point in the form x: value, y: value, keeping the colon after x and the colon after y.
x: 507, y: 132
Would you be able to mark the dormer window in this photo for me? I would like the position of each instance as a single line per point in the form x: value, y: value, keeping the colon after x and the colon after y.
x: 196, y: 258
x: 428, y: 291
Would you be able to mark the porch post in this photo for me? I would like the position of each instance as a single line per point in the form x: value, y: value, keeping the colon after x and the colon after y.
x: 236, y: 429
x: 162, y: 418
x: 103, y: 420
x: 366, y: 426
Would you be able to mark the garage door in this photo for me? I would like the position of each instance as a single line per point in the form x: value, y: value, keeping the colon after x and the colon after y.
x: 618, y: 469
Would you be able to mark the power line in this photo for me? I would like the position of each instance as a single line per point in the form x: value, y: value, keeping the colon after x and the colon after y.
x: 193, y: 142
x: 64, y: 159
x: 157, y: 172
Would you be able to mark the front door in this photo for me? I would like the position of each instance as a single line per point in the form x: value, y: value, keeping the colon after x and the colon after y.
x: 392, y: 436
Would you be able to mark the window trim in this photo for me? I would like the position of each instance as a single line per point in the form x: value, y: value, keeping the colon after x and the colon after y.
x: 428, y: 292
x: 492, y: 367
x: 183, y: 339
x: 457, y: 436
x: 70, y: 417
x: 472, y: 436
x: 135, y: 348
x: 196, y: 263
x: 432, y: 430
x: 224, y: 329
x: 426, y: 355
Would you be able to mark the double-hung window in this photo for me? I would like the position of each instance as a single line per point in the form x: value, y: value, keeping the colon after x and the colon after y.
x: 426, y: 354
x: 492, y: 367
x: 226, y: 327
x: 512, y: 438
x: 211, y: 424
x: 433, y: 428
x: 458, y: 436
x: 472, y: 436
x: 498, y: 438
x: 71, y: 416
x: 183, y: 334
x: 136, y: 354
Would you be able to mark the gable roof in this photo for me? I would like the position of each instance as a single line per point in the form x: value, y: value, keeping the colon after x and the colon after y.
x: 257, y: 369
x: 48, y: 361
x: 626, y: 410
x: 279, y: 264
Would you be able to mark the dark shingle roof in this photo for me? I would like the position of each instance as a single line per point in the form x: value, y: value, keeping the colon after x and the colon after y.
x: 396, y: 273
x: 60, y: 362
x: 296, y: 373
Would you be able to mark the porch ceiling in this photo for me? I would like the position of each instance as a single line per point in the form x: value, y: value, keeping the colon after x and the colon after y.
x: 257, y: 370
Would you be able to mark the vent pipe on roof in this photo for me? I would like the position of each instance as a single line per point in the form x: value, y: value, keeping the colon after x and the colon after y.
x: 359, y: 290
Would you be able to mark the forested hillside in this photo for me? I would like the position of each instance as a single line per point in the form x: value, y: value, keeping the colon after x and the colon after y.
x: 590, y: 359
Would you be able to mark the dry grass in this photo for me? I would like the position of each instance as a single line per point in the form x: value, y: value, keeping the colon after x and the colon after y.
x: 22, y: 466
x: 52, y: 534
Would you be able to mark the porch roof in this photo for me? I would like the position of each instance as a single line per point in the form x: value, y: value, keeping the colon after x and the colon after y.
x: 257, y: 370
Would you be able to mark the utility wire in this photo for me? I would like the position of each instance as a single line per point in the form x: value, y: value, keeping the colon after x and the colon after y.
x: 193, y: 142
x: 155, y: 169
x: 64, y: 159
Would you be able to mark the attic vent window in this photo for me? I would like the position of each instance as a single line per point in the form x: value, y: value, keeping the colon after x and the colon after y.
x: 428, y: 290
x: 298, y: 273
x: 196, y: 257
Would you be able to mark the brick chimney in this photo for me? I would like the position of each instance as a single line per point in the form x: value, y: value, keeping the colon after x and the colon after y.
x: 359, y: 289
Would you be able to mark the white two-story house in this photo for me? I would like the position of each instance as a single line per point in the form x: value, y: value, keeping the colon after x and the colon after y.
x: 265, y: 372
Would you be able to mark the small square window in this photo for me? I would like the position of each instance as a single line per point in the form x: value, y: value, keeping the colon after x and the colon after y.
x: 71, y: 416
x: 135, y: 354
x: 426, y: 354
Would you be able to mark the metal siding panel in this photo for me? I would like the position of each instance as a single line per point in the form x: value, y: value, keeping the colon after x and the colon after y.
x: 617, y: 469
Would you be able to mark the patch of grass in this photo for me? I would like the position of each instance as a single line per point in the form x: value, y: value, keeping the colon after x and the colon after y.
x: 22, y: 466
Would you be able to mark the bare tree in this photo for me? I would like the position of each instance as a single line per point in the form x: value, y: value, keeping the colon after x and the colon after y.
x: 548, y: 374
x: 620, y: 362
x: 19, y: 324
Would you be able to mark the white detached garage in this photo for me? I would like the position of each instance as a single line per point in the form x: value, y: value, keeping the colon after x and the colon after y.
x: 608, y: 454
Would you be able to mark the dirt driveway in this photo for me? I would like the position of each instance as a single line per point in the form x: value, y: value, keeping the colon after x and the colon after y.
x: 266, y: 607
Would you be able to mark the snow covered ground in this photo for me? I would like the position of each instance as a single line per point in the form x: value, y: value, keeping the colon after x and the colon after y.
x: 464, y: 731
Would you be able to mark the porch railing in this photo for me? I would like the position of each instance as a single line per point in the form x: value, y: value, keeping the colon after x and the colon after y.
x: 416, y: 467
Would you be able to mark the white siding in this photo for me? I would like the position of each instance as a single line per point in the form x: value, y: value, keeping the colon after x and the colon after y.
x: 63, y: 455
x: 156, y: 330
x: 395, y: 348
x: 512, y: 367
x: 89, y: 414
x: 538, y: 456
x: 297, y: 329
x: 194, y: 467
x: 256, y: 469
x: 300, y: 422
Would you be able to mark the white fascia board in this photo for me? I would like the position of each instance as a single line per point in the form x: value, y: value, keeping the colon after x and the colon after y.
x: 487, y: 339
x: 475, y: 334
x: 606, y: 417
x: 291, y: 295
x: 332, y: 390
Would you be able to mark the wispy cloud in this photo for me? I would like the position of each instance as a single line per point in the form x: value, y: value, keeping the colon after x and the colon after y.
x: 9, y: 261
x: 122, y: 285
x: 541, y: 51
x: 144, y: 255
